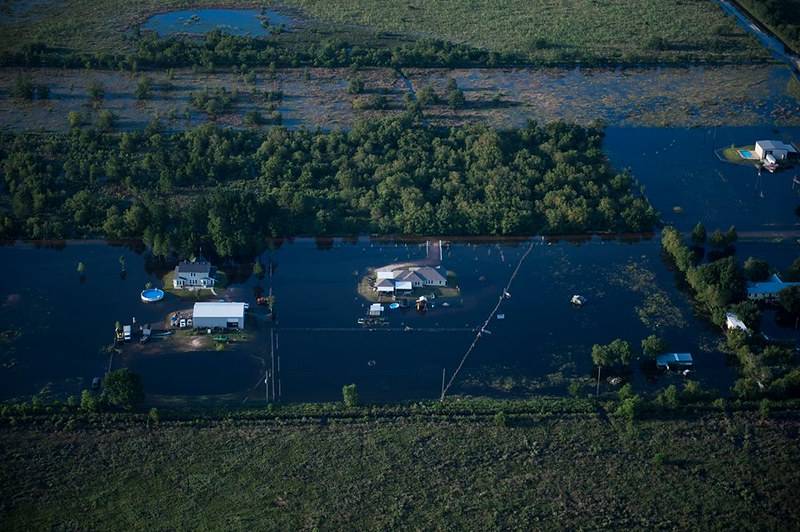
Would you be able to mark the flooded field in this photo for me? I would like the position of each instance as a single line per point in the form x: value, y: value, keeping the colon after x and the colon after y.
x: 682, y: 97
x: 249, y: 22
x: 542, y: 344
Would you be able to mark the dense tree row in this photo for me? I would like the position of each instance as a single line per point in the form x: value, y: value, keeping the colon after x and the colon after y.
x: 719, y: 287
x: 233, y: 188
x: 218, y: 49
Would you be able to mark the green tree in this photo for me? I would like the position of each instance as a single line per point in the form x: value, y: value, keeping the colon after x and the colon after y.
x: 350, y: 395
x: 123, y: 388
x: 789, y: 300
x: 500, y: 419
x: 23, y: 88
x: 89, y: 402
x: 355, y: 86
x: 105, y: 120
x: 668, y: 397
x: 96, y: 91
x: 653, y: 346
x: 617, y: 353
x: 75, y: 119
x: 153, y: 416
x: 258, y: 269
x: 699, y: 234
x: 756, y: 269
x: 143, y: 87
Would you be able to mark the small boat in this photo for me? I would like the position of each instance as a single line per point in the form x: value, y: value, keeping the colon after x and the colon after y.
x: 445, y: 304
x: 506, y: 294
x: 578, y: 301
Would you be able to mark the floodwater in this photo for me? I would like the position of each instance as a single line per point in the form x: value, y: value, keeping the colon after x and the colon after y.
x: 242, y: 22
x: 542, y: 343
x: 686, y: 181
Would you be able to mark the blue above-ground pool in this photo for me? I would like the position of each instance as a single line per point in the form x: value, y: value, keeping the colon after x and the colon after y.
x: 151, y: 295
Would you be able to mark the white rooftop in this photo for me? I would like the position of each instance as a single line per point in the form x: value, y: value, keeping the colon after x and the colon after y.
x: 218, y: 310
x: 775, y: 145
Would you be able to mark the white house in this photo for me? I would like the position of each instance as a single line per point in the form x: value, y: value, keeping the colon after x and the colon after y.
x: 768, y: 290
x: 407, y: 279
x: 733, y: 322
x: 778, y: 150
x: 199, y: 274
x: 220, y: 315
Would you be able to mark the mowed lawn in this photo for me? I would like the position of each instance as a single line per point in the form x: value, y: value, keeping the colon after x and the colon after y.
x: 617, y: 30
x: 714, y: 472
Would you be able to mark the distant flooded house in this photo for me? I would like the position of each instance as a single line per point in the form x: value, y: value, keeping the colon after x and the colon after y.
x: 198, y: 274
x: 768, y: 290
x: 407, y: 279
x: 674, y: 361
x: 774, y: 151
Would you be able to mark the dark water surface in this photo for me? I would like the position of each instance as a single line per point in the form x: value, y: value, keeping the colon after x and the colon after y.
x: 679, y: 169
x: 199, y: 21
x: 542, y: 342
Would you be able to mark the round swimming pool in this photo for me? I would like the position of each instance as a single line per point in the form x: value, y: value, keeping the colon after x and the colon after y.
x: 151, y: 295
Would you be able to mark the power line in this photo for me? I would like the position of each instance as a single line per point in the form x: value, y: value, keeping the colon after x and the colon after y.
x: 488, y: 320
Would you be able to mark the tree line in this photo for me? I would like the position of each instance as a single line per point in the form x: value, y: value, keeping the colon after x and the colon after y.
x: 719, y: 287
x: 228, y: 190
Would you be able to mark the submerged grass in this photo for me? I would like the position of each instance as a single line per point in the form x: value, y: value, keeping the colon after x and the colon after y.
x: 708, y: 471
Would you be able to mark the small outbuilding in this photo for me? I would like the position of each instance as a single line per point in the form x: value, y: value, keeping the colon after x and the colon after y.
x: 376, y: 309
x: 733, y: 322
x: 671, y: 361
x: 222, y: 315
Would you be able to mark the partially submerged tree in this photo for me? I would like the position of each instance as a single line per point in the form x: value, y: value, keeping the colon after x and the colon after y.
x: 123, y: 388
x: 350, y: 395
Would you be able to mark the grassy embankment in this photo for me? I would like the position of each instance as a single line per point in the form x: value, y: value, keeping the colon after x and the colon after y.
x: 547, y: 31
x: 405, y: 467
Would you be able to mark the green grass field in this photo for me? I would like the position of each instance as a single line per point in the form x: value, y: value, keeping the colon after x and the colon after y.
x: 615, y: 30
x: 710, y: 471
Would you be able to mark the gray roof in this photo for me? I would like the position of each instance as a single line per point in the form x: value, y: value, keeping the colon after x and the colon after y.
x: 193, y: 267
x: 775, y: 145
x: 431, y: 274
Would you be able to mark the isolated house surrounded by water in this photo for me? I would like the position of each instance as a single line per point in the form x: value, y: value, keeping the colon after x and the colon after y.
x: 775, y: 150
x: 220, y: 315
x: 198, y: 274
x: 407, y: 279
x: 768, y: 290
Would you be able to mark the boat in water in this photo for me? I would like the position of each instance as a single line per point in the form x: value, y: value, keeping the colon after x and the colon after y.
x: 578, y: 301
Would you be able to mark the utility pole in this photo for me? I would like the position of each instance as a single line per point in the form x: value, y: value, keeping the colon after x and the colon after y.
x: 441, y: 397
x: 597, y: 393
x: 272, y: 351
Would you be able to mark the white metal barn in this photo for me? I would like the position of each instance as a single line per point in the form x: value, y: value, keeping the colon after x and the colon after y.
x: 218, y: 315
x: 779, y: 150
